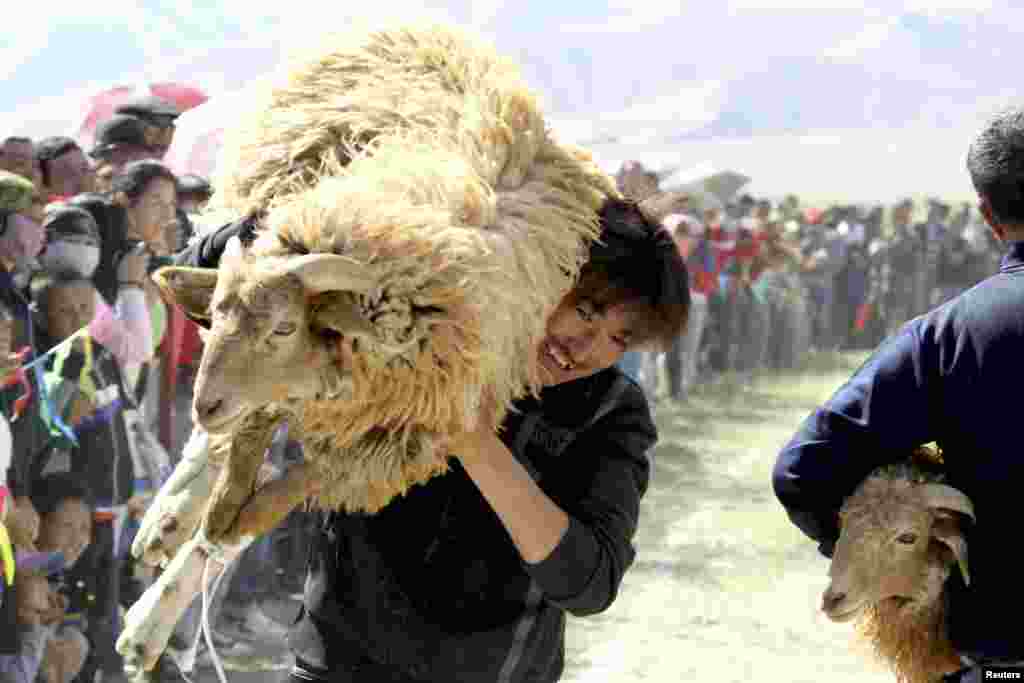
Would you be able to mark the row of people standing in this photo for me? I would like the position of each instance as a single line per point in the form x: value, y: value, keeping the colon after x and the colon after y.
x: 771, y: 282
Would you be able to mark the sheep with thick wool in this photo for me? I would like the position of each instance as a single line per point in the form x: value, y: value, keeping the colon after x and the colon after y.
x: 416, y: 224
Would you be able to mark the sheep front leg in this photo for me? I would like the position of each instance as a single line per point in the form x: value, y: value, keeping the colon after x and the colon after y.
x: 237, y: 481
x: 174, y: 514
x: 150, y: 621
x: 274, y: 500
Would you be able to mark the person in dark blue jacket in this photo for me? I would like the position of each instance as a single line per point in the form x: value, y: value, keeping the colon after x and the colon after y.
x: 948, y: 376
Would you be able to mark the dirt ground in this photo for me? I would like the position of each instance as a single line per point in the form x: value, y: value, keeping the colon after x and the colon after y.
x: 724, y: 588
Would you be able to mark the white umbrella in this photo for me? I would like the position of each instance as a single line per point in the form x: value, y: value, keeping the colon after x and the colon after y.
x: 200, y: 133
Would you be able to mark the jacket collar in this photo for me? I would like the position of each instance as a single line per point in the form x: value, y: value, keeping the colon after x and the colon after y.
x: 1014, y: 257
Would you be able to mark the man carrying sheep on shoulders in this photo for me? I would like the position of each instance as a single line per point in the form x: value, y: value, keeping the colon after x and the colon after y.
x: 948, y: 376
x: 470, y: 576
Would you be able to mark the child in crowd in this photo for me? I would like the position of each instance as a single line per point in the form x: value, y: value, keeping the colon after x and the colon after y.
x: 48, y: 650
x: 85, y: 385
x: 50, y: 646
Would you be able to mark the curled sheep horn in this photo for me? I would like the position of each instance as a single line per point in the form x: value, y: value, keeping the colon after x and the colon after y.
x: 330, y: 272
x: 943, y: 497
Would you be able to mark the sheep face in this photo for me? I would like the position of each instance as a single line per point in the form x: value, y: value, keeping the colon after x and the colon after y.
x: 897, y: 545
x: 266, y: 342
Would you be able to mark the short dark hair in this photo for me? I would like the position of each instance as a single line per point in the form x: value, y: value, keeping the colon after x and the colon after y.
x: 50, y: 490
x: 43, y: 281
x: 18, y: 139
x: 637, y: 259
x: 995, y: 162
x: 48, y: 149
x: 136, y: 177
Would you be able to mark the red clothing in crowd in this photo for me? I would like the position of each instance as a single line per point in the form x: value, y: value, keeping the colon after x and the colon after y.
x: 707, y: 258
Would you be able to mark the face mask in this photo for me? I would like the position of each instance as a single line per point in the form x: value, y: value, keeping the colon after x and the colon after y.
x: 81, y: 258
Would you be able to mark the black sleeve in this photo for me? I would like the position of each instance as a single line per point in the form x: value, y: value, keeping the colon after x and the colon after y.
x: 206, y: 252
x: 583, y: 573
x: 882, y: 412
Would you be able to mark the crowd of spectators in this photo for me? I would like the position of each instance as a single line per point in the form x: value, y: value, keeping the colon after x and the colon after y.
x: 771, y: 281
x: 81, y: 326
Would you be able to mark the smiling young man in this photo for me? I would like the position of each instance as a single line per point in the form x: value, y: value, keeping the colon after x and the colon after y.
x: 470, y: 576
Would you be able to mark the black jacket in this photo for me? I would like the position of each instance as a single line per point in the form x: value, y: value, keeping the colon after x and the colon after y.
x: 432, y: 588
x: 29, y: 433
x: 949, y: 376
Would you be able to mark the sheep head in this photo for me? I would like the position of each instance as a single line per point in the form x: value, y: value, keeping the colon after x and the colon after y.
x: 274, y: 328
x: 898, y: 542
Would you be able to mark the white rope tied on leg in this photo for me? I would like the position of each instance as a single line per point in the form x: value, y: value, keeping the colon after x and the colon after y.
x: 213, y: 552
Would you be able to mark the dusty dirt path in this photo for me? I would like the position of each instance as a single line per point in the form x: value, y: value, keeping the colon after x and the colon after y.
x: 724, y: 588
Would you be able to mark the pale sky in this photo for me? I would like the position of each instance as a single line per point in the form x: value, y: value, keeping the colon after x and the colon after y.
x: 823, y: 98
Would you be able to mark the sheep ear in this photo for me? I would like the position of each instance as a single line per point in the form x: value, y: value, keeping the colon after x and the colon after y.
x: 190, y: 288
x: 330, y: 272
x: 946, y: 530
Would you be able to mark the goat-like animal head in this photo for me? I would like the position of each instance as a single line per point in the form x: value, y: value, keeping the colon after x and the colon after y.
x: 899, y: 540
x: 274, y: 328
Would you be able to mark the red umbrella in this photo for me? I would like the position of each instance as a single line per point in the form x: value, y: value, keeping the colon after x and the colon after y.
x: 101, y: 106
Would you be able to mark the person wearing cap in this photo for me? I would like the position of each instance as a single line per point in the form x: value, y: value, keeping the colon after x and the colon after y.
x: 65, y: 169
x: 194, y: 191
x: 120, y: 140
x: 158, y: 116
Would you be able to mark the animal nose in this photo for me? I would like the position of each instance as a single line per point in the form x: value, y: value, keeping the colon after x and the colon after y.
x: 830, y: 600
x: 209, y: 408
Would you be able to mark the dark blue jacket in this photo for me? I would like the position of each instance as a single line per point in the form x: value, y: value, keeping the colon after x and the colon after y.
x: 949, y: 376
